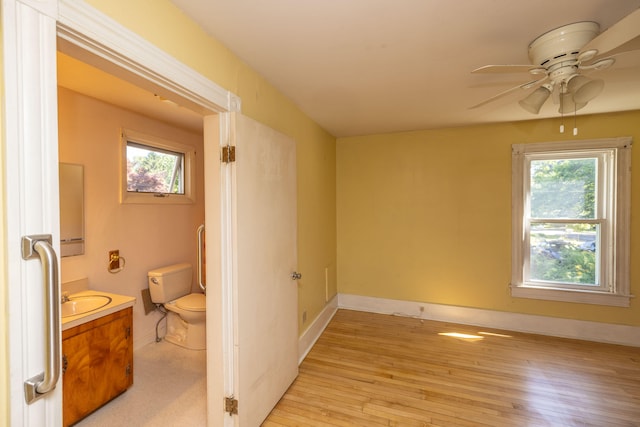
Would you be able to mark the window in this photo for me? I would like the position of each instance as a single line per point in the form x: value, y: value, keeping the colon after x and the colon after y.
x: 156, y: 170
x: 153, y: 170
x: 571, y: 203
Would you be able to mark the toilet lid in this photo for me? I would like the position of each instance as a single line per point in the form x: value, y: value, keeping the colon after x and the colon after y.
x: 192, y: 302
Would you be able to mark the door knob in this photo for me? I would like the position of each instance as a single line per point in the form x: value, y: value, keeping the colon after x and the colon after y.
x: 296, y: 276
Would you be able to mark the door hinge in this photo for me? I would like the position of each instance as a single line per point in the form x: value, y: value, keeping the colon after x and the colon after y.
x: 127, y: 332
x: 231, y: 405
x: 228, y: 154
x: 127, y: 370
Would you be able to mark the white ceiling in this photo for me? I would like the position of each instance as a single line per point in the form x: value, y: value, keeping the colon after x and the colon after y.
x: 374, y: 66
x: 361, y: 67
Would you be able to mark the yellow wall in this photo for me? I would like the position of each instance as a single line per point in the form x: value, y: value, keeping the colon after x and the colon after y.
x: 426, y: 216
x: 160, y: 22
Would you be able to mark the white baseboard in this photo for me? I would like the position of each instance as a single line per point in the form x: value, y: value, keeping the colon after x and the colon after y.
x: 311, y: 335
x: 552, y: 326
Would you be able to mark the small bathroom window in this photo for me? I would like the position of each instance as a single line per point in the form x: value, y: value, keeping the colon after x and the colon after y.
x: 155, y: 170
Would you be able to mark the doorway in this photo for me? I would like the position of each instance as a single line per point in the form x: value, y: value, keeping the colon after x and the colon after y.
x: 261, y: 249
x: 93, y: 106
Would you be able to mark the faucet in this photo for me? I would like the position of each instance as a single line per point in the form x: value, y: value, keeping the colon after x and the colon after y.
x: 65, y: 297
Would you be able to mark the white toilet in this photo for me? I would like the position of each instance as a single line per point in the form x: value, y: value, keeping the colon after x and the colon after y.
x: 186, y: 315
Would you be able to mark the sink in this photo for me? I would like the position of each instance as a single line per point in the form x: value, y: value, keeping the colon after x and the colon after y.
x: 83, y: 304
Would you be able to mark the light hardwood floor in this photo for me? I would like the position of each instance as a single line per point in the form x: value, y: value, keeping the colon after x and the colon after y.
x: 378, y: 370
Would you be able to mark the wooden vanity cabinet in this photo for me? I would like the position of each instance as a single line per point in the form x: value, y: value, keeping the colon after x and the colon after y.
x: 97, y: 363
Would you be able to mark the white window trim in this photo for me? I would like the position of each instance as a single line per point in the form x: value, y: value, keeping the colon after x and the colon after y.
x: 620, y: 293
x: 128, y: 197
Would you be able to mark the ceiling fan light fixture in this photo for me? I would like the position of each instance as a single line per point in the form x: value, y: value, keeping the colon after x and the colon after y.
x: 534, y: 101
x: 584, y: 89
x: 568, y: 104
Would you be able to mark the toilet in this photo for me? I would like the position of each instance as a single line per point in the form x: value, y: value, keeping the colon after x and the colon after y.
x: 186, y: 315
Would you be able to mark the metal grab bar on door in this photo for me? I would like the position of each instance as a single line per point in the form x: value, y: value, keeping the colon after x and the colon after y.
x: 200, y: 233
x: 39, y: 246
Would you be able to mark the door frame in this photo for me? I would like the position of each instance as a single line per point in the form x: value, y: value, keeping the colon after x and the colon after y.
x: 82, y: 31
x: 30, y: 196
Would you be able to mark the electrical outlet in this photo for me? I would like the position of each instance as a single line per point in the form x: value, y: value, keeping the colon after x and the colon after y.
x: 114, y: 259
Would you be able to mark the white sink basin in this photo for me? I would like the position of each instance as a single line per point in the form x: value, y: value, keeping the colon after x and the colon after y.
x: 83, y: 304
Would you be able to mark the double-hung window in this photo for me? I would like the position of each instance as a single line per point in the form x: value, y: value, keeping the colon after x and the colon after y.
x: 571, y: 203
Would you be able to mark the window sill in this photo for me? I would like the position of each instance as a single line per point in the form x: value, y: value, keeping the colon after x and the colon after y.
x: 576, y: 296
x: 153, y: 199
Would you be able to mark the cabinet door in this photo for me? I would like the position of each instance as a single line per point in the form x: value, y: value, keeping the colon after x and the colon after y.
x: 98, y: 364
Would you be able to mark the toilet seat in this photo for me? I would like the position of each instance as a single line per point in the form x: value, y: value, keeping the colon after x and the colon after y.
x: 192, y: 302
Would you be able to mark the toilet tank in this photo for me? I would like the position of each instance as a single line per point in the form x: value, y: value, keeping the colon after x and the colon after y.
x: 170, y: 282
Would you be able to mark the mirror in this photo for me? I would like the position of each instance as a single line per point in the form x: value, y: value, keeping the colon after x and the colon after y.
x: 71, y: 209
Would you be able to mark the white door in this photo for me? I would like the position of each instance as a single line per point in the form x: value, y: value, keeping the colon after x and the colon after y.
x: 31, y: 208
x: 266, y: 295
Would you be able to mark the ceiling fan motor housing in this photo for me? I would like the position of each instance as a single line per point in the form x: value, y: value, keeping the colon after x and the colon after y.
x: 562, y: 44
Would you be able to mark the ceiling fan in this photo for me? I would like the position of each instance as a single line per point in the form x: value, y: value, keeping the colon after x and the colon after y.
x: 560, y: 56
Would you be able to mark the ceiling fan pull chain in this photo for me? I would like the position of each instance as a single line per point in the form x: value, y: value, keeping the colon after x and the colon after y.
x: 561, y: 110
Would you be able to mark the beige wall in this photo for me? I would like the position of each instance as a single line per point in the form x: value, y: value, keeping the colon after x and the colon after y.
x: 148, y: 236
x: 169, y: 29
x: 426, y: 216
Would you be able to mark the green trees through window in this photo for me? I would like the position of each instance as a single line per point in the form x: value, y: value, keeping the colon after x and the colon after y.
x: 563, y: 236
x: 152, y: 170
x: 570, y: 221
x: 563, y: 188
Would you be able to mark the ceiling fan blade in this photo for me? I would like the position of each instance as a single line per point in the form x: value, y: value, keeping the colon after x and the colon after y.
x: 492, y: 69
x: 525, y: 86
x: 622, y: 36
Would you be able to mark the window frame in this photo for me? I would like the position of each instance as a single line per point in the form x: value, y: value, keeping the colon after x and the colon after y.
x: 161, y: 144
x: 614, y: 155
